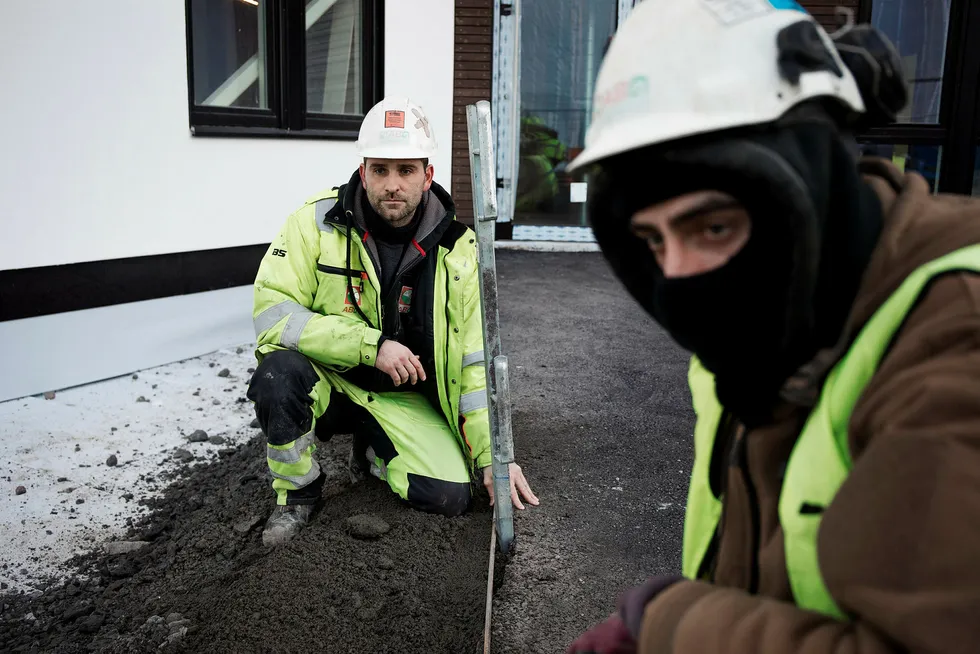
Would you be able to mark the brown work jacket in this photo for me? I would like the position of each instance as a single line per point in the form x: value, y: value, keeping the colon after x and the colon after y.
x: 899, y: 546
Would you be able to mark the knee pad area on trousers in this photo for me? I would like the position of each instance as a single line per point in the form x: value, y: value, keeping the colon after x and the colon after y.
x: 280, y: 388
x: 446, y: 498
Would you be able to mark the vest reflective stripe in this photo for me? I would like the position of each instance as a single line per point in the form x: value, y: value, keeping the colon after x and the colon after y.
x: 820, y: 461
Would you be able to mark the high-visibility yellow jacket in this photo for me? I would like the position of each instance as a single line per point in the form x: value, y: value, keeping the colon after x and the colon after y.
x: 305, y: 292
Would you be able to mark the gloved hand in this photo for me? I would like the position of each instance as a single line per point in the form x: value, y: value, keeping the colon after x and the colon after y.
x: 608, y: 637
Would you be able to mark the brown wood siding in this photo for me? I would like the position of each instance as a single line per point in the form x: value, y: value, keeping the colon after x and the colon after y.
x: 823, y: 10
x: 472, y: 70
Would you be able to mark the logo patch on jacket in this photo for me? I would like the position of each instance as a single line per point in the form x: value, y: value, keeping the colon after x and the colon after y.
x: 356, y: 288
x: 405, y: 300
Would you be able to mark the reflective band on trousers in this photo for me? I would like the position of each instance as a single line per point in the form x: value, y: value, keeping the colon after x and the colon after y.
x: 271, y: 316
x: 472, y: 401
x: 473, y: 358
x: 293, y: 453
x: 301, y: 480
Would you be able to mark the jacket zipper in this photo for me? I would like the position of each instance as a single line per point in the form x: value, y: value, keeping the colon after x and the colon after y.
x: 743, y: 464
x: 449, y: 401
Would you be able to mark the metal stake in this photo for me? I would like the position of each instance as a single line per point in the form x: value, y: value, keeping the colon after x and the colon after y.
x: 484, y: 181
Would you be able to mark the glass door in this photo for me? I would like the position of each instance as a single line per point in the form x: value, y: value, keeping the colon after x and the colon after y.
x: 561, y: 46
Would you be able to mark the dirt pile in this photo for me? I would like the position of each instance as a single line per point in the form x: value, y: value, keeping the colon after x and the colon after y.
x: 196, y: 577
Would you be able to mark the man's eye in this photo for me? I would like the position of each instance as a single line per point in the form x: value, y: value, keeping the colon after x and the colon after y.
x: 718, y: 230
x: 655, y: 240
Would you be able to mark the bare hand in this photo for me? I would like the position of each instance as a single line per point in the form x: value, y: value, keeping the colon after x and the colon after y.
x: 518, y: 486
x: 398, y: 362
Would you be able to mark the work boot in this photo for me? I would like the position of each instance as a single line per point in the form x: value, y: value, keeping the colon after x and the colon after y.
x: 360, y: 461
x: 285, y: 522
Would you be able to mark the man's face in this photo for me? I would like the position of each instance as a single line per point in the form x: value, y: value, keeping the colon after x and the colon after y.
x: 694, y: 233
x: 395, y: 187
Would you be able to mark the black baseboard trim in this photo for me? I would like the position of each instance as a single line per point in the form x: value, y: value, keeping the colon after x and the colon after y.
x: 32, y: 292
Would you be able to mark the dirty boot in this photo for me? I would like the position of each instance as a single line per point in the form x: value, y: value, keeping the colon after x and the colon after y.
x: 285, y: 522
x: 360, y: 461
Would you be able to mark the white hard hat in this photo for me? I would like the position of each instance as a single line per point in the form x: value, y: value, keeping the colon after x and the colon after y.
x: 677, y: 68
x: 396, y: 128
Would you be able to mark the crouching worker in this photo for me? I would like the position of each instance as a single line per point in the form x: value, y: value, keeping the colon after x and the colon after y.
x: 367, y: 315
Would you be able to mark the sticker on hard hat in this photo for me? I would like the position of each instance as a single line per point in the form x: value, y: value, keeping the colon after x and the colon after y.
x: 393, y: 135
x: 395, y: 119
x: 731, y: 12
x: 622, y: 99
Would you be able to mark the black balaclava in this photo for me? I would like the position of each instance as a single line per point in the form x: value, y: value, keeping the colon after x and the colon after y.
x: 754, y: 321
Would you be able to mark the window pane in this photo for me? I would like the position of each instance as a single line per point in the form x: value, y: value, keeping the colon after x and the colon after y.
x: 562, y: 43
x: 923, y: 159
x: 918, y: 29
x: 229, y: 53
x: 333, y: 56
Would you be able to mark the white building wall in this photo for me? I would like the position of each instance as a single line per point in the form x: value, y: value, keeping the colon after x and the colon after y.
x: 97, y: 160
x: 96, y: 157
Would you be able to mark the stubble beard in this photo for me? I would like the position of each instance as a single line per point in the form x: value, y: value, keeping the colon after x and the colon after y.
x: 399, y: 217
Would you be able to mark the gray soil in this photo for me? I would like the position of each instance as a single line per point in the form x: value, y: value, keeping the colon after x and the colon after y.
x: 205, y: 582
x: 602, y: 423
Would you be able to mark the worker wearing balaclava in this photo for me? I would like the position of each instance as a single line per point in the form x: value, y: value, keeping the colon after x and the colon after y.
x: 830, y: 307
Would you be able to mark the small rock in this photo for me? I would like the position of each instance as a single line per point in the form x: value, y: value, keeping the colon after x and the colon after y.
x: 248, y: 524
x: 124, y: 546
x: 367, y: 613
x: 224, y: 372
x: 250, y: 370
x: 173, y: 617
x: 136, y: 376
x: 77, y: 612
x: 115, y: 429
x: 216, y: 402
x: 122, y: 569
x: 49, y: 532
x: 79, y: 501
x: 255, y: 424
x: 216, y: 440
x: 228, y: 451
x: 153, y: 387
x: 78, y: 448
x: 127, y: 496
x: 49, y: 395
x: 92, y: 623
x: 386, y: 563
x: 112, y: 460
x: 211, y: 365
x: 20, y: 490
x: 141, y: 399
x: 196, y: 393
x: 61, y: 479
x: 366, y: 526
x: 183, y: 455
x: 239, y: 350
x: 198, y: 436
